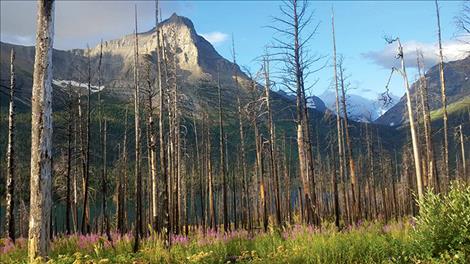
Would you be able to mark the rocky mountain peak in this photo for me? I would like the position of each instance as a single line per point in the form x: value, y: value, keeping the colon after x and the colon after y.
x: 176, y: 19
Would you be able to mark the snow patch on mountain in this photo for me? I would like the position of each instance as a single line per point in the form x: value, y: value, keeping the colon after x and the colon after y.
x: 72, y: 83
x: 359, y: 108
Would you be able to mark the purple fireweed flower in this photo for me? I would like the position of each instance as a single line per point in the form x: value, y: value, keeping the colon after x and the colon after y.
x: 6, y: 246
x: 179, y: 239
x: 87, y: 241
x: 359, y: 223
x: 386, y: 228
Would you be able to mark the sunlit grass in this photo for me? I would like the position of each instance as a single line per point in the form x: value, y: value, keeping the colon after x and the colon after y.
x: 440, y: 234
x: 367, y: 243
x: 456, y: 107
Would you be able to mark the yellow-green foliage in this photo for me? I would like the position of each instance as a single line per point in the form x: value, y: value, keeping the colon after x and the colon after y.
x: 443, y: 225
x: 456, y: 107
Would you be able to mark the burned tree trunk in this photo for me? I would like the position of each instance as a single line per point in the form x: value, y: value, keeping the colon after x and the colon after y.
x: 414, y: 136
x: 68, y: 206
x: 246, y: 212
x: 11, y: 163
x: 41, y: 135
x: 432, y: 178
x: 272, y: 141
x: 161, y: 128
x: 443, y: 97
x: 352, y: 170
x: 222, y: 160
x: 210, y: 187
x: 462, y: 153
x: 122, y: 185
x: 138, y: 175
x: 86, y: 155
x: 338, y: 121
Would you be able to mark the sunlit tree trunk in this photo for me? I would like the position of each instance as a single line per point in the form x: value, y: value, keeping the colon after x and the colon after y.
x: 432, y: 178
x: 11, y: 162
x: 138, y: 176
x: 260, y: 169
x: 462, y: 153
x: 222, y: 160
x: 414, y: 135
x: 352, y: 170
x: 68, y: 199
x: 86, y: 155
x: 338, y: 117
x: 41, y: 135
x: 443, y: 97
x: 210, y: 187
x: 272, y: 141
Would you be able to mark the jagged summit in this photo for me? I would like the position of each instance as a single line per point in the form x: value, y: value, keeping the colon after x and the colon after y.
x: 175, y: 19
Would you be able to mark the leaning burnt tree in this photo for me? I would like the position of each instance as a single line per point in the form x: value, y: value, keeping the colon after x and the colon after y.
x: 414, y: 136
x: 41, y: 135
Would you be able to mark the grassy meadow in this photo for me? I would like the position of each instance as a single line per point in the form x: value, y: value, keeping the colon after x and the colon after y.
x: 439, y: 234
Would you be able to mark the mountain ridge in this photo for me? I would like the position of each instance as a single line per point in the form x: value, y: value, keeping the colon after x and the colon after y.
x: 457, y: 76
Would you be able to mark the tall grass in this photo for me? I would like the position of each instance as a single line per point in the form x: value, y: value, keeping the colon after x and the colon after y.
x: 440, y: 234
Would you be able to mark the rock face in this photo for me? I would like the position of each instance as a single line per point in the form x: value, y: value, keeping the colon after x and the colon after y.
x: 197, y: 61
x: 457, y: 76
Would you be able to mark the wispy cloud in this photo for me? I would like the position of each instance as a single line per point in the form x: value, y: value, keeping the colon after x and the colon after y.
x: 215, y: 37
x: 452, y: 50
x: 80, y: 22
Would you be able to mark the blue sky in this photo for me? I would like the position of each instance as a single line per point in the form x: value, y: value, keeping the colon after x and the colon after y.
x: 360, y: 27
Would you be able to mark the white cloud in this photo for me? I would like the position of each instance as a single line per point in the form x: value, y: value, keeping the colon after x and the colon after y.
x: 80, y: 22
x: 452, y: 50
x: 215, y: 37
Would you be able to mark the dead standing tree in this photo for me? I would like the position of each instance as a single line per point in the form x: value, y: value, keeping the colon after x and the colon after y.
x: 463, y: 20
x: 222, y: 156
x: 161, y: 128
x: 138, y: 175
x: 41, y: 135
x: 432, y: 177
x: 338, y: 118
x: 253, y: 110
x: 355, y: 214
x: 414, y: 136
x: 246, y: 212
x: 86, y: 155
x: 272, y: 139
x: 443, y: 97
x: 10, y: 197
x: 293, y: 52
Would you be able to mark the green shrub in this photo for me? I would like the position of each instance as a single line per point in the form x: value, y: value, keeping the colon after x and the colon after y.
x: 443, y: 224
